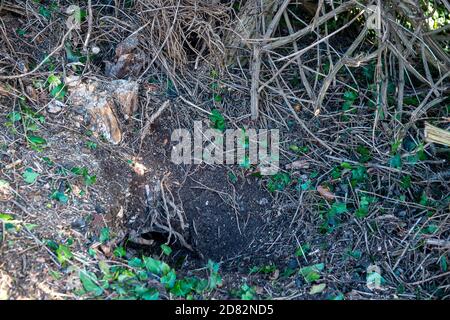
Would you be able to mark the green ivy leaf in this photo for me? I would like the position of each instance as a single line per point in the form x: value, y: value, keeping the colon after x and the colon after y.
x: 29, y: 176
x: 63, y: 254
x: 120, y: 252
x: 6, y: 217
x: 59, y: 92
x: 312, y: 273
x: 182, y: 287
x: 218, y: 121
x: 37, y: 140
x: 155, y: 266
x: 60, y: 196
x: 443, y: 263
x: 169, y: 279
x: 135, y: 263
x: 166, y: 249
x: 104, y: 235
x: 14, y: 116
x: 396, y: 161
x: 43, y: 11
x: 88, y: 280
x: 146, y: 293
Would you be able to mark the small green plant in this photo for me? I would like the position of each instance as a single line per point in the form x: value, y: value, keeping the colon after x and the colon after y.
x: 369, y: 72
x: 30, y: 121
x: 350, y: 97
x: 429, y: 229
x: 8, y: 221
x: 120, y: 252
x: 363, y: 209
x: 46, y: 13
x: 265, y: 269
x: 304, y: 186
x: 56, y: 87
x: 74, y: 57
x: 104, y: 235
x: 59, y: 196
x: 166, y: 249
x: 364, y: 154
x: 232, y: 176
x: 62, y: 251
x: 217, y: 120
x: 405, y: 182
x: 89, y: 179
x: 63, y: 254
x: 312, y: 273
x: 417, y: 155
x: 303, y: 250
x: 131, y: 281
x: 396, y: 161
x: 443, y: 263
x: 359, y: 175
x: 331, y: 217
x: 355, y: 254
x: 247, y: 292
x: 215, y: 280
x: 21, y: 32
x: 12, y: 225
x: 91, y: 145
x: 36, y: 143
x: 279, y: 182
x: 299, y: 149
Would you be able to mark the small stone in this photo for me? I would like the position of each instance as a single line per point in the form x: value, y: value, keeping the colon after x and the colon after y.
x: 78, y: 224
x: 55, y: 106
x: 95, y: 50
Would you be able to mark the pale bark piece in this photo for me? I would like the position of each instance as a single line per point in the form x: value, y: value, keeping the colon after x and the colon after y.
x: 5, y: 191
x: 126, y: 95
x: 437, y: 135
x: 55, y: 106
x: 104, y: 120
x: 100, y: 102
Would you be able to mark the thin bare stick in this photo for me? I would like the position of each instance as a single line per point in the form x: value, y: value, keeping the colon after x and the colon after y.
x: 89, y: 31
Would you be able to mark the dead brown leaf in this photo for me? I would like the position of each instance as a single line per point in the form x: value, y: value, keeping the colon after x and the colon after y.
x: 299, y: 164
x: 326, y: 193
